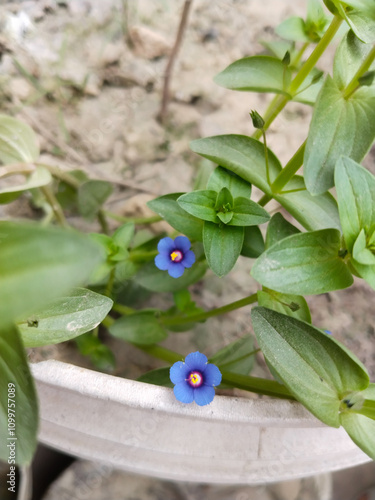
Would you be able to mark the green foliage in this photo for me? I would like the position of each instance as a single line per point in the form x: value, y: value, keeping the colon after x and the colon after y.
x: 38, y: 264
x: 316, y: 369
x: 18, y: 142
x: 257, y: 73
x: 65, y: 318
x: 159, y: 376
x: 222, y: 246
x: 278, y: 229
x: 40, y: 177
x: 168, y: 208
x: 253, y: 243
x: 304, y: 264
x: 360, y: 16
x: 291, y: 305
x: 140, y: 328
x: 98, y: 353
x: 16, y: 386
x: 91, y: 196
x: 223, y: 178
x: 236, y: 357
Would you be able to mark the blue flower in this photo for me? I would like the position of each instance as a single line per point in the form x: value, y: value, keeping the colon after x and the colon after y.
x: 174, y: 256
x: 195, y: 379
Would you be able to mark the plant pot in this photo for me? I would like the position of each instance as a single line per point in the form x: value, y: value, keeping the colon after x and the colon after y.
x: 142, y: 428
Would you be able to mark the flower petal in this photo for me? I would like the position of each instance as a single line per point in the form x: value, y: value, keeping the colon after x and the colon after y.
x: 166, y: 245
x: 178, y: 372
x: 182, y: 243
x: 189, y: 259
x: 162, y: 261
x: 176, y: 269
x: 204, y: 395
x: 184, y: 393
x: 196, y: 361
x: 212, y: 375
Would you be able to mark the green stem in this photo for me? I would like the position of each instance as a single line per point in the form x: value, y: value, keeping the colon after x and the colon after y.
x: 353, y: 84
x: 264, y: 200
x: 300, y: 54
x: 111, y: 280
x: 256, y: 384
x: 136, y: 220
x: 279, y: 103
x: 103, y: 222
x: 266, y: 156
x: 141, y: 256
x: 57, y: 210
x: 60, y: 174
x: 290, y: 169
x: 169, y: 321
x: 124, y: 310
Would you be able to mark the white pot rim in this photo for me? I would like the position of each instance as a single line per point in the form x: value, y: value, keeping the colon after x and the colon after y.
x: 142, y: 428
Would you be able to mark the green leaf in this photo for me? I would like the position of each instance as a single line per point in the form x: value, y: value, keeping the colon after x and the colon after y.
x: 349, y: 56
x: 360, y: 17
x: 168, y: 208
x: 225, y: 217
x: 38, y: 264
x: 365, y: 271
x: 361, y: 430
x: 304, y: 264
x: 139, y: 328
x: 361, y: 253
x: 224, y: 200
x: 338, y: 127
x: 257, y: 73
x: 248, y: 213
x: 123, y: 235
x: 91, y: 196
x: 253, y: 243
x: 40, y: 177
x: 279, y: 48
x: 278, y: 229
x: 236, y: 357
x: 221, y: 178
x: 18, y: 141
x: 159, y: 376
x: 182, y: 299
x: 200, y: 204
x: 98, y: 353
x: 150, y: 277
x: 293, y: 29
x: 315, y: 368
x: 65, y: 318
x: 16, y: 386
x: 355, y: 187
x: 245, y: 157
x: 222, y: 246
x: 309, y: 91
x: 291, y: 305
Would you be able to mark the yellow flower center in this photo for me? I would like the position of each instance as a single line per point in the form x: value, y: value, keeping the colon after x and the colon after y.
x: 176, y: 256
x: 195, y: 379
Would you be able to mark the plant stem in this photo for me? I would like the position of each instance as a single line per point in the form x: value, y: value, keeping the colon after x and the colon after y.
x: 264, y: 200
x: 169, y: 321
x: 57, y: 210
x: 141, y: 256
x: 281, y: 101
x: 136, y: 220
x: 353, y: 84
x: 300, y: 54
x: 289, y: 170
x: 60, y: 174
x: 111, y: 280
x: 266, y: 157
x: 103, y: 222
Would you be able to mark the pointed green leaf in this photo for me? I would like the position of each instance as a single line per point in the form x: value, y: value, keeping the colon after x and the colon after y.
x: 222, y: 246
x: 200, y: 204
x: 253, y: 243
x: 291, y: 305
x: 355, y: 188
x: 361, y: 430
x: 18, y: 141
x: 123, y: 235
x: 278, y: 229
x: 257, y: 73
x: 225, y: 217
x: 245, y: 157
x: 293, y: 29
x: 365, y: 271
x: 65, y: 318
x: 168, y: 208
x: 224, y: 200
x: 338, y: 127
x: 304, y: 264
x: 360, y: 16
x: 139, y: 328
x: 237, y: 186
x: 38, y: 264
x: 18, y: 403
x: 159, y: 376
x: 236, y: 357
x: 315, y: 368
x: 248, y: 213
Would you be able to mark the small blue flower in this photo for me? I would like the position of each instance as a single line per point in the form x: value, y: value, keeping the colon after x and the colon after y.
x: 195, y: 379
x: 174, y: 255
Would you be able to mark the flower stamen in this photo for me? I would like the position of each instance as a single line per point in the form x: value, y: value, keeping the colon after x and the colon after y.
x: 177, y: 256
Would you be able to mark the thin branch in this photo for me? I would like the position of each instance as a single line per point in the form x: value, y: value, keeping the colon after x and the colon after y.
x: 172, y: 59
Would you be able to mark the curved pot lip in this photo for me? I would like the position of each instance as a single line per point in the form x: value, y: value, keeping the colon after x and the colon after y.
x: 97, y: 385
